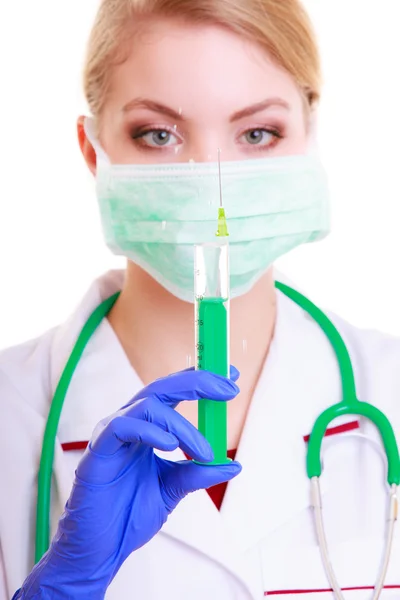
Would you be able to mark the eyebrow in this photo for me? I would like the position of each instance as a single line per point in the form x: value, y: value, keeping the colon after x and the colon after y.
x: 258, y: 107
x: 178, y: 115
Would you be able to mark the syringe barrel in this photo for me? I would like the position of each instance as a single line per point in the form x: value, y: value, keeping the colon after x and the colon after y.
x: 212, y: 270
x: 212, y: 337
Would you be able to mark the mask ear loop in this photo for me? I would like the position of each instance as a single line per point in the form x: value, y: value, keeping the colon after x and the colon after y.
x: 89, y: 126
x: 312, y: 130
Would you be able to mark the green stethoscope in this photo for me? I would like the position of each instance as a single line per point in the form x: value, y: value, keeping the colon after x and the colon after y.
x: 349, y: 405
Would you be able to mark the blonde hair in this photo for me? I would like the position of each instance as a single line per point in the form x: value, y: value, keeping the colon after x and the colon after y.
x: 281, y: 27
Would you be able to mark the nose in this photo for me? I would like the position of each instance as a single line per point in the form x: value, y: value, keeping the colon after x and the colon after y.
x: 201, y: 154
x: 205, y: 143
x: 208, y: 153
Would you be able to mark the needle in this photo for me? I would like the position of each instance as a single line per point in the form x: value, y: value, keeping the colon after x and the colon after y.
x: 222, y: 226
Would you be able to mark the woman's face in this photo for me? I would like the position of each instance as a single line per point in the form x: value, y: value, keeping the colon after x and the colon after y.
x: 186, y: 91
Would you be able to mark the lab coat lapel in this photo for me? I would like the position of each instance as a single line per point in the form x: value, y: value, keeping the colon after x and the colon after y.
x: 197, y: 523
x: 102, y: 382
x: 299, y: 380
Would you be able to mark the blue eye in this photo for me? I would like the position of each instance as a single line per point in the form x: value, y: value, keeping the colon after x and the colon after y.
x: 260, y: 137
x: 155, y: 138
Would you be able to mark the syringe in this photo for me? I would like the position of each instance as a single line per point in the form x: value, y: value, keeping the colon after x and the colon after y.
x: 212, y: 329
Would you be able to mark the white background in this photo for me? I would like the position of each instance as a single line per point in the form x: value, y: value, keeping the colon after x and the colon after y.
x: 51, y: 243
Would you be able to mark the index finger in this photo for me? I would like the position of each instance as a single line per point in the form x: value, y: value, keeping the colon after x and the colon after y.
x: 234, y: 374
x: 189, y: 385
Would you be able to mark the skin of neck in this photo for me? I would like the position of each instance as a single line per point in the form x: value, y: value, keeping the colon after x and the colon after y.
x: 156, y: 331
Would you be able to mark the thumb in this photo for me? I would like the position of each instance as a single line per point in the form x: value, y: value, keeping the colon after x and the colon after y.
x: 181, y: 478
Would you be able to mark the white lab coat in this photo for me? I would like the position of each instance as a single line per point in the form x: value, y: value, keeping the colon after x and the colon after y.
x: 262, y: 541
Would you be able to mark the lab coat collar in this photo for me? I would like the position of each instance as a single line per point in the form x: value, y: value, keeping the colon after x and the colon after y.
x: 104, y: 379
x: 67, y: 334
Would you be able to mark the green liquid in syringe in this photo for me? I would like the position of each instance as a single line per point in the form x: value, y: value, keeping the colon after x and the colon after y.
x: 212, y: 355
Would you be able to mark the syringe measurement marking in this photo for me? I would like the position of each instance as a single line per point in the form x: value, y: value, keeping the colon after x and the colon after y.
x: 199, y: 345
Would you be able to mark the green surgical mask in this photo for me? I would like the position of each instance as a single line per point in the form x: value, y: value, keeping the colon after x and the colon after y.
x: 155, y: 214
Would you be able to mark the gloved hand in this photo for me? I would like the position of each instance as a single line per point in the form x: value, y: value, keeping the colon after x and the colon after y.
x: 123, y: 493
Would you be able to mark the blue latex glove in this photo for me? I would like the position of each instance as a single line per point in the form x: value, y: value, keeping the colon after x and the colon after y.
x: 123, y: 493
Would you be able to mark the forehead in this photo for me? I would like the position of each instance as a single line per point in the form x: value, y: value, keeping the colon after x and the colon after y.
x: 195, y: 67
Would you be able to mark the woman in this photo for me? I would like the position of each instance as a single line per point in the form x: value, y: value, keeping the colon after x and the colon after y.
x: 172, y: 82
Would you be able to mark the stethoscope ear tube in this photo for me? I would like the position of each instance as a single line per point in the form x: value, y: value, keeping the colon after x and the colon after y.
x: 349, y: 405
x: 316, y: 502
